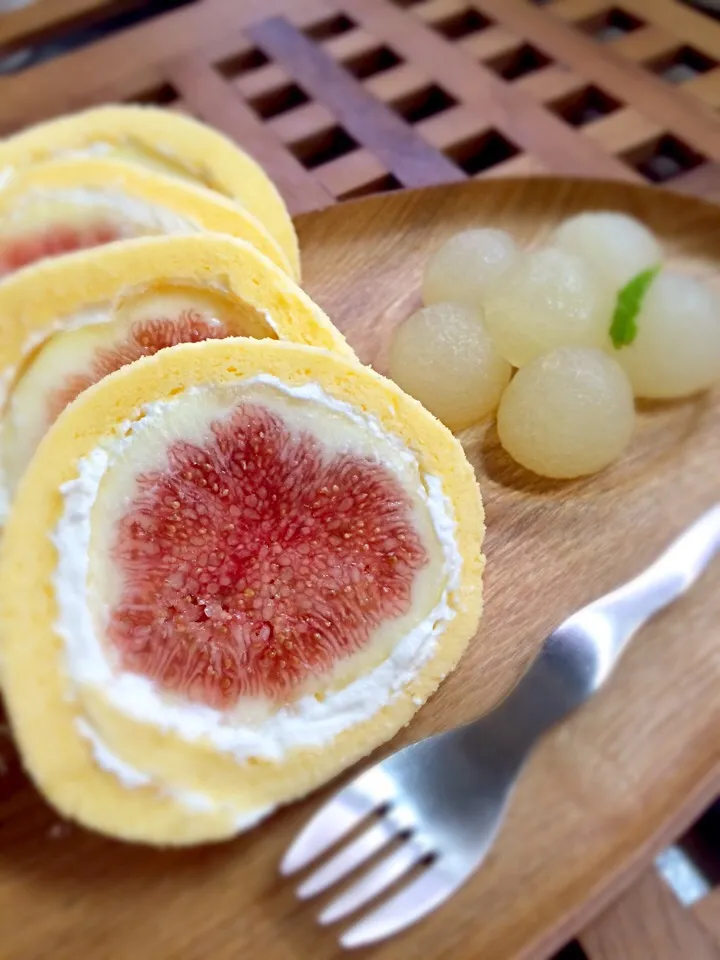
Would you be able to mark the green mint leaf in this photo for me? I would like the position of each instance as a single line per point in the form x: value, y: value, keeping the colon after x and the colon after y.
x: 623, y: 328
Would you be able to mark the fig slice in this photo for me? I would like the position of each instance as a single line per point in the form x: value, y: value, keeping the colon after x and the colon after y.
x: 20, y: 248
x: 257, y: 560
x: 75, y: 203
x: 62, y: 334
x: 166, y: 142
x: 234, y: 567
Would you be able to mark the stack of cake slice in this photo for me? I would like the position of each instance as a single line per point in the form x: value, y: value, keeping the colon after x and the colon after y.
x: 234, y: 559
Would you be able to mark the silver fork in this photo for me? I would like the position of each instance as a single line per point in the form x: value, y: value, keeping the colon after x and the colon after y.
x: 441, y: 801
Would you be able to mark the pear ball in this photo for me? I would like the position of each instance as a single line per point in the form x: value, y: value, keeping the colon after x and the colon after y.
x: 615, y: 245
x: 567, y: 413
x: 442, y: 356
x: 677, y: 348
x: 548, y: 298
x: 465, y: 265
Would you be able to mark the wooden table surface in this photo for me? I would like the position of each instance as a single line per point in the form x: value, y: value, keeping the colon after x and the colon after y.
x: 342, y: 98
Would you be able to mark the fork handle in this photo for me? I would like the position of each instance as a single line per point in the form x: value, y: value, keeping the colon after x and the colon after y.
x: 631, y: 605
x: 580, y: 654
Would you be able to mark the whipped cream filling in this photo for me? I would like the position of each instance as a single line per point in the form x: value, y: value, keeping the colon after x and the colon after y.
x: 308, y: 721
x: 149, y: 217
x: 87, y: 317
x: 133, y: 779
x: 83, y: 318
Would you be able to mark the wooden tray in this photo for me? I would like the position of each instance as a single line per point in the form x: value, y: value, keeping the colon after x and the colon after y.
x: 618, y: 780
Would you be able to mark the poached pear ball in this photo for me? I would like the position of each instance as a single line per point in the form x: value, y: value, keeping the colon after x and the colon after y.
x: 615, y: 245
x: 442, y: 356
x: 677, y: 348
x: 547, y: 298
x: 465, y: 265
x: 567, y: 413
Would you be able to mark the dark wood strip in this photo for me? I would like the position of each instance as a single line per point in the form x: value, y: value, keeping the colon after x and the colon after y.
x: 115, y: 68
x: 662, y: 102
x: 501, y: 105
x: 217, y: 103
x: 42, y: 21
x: 398, y: 147
x: 121, y: 66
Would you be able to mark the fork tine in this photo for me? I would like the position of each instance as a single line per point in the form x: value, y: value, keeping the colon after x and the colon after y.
x: 351, y: 857
x: 392, y: 868
x: 412, y: 903
x: 363, y: 795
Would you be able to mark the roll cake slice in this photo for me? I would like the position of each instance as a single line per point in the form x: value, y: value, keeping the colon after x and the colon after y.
x: 69, y: 321
x: 163, y: 140
x: 66, y: 205
x: 232, y: 569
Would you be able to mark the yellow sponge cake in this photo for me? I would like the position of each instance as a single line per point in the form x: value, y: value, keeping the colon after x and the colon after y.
x: 232, y: 569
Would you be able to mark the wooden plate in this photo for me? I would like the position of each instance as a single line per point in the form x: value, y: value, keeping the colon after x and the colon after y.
x: 601, y: 793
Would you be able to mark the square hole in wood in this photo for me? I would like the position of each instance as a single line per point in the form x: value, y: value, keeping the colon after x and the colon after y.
x: 424, y: 103
x: 702, y: 844
x: 682, y: 64
x: 278, y: 101
x: 573, y: 951
x: 382, y: 185
x: 461, y: 24
x: 518, y: 62
x: 330, y: 27
x: 163, y: 95
x: 663, y: 158
x: 610, y: 24
x: 371, y: 62
x: 243, y: 62
x: 323, y: 146
x: 481, y: 152
x: 585, y: 105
